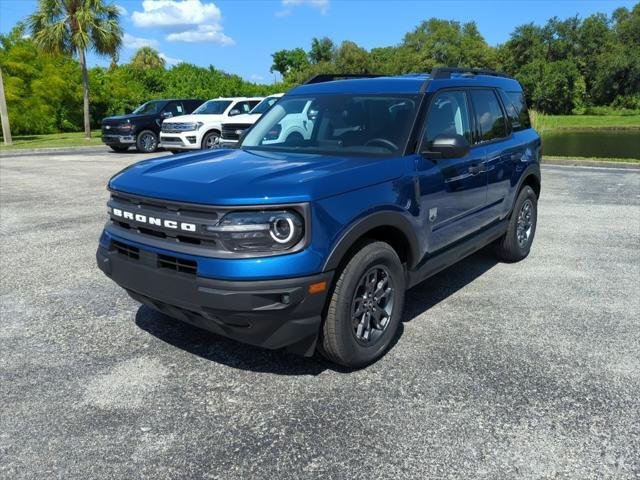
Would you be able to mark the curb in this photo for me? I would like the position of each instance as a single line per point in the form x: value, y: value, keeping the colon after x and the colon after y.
x: 571, y: 162
x: 19, y: 152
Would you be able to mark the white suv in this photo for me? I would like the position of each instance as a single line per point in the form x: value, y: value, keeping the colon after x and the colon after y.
x: 232, y: 130
x: 202, y: 129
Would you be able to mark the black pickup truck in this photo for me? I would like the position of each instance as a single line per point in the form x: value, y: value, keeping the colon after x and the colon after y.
x: 142, y: 127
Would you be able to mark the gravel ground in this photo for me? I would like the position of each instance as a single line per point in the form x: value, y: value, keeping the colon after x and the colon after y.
x: 529, y: 370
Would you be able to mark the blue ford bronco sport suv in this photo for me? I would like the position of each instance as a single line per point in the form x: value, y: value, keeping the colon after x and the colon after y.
x: 310, y: 241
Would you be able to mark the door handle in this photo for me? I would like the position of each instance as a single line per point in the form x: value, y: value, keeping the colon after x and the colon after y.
x: 477, y: 168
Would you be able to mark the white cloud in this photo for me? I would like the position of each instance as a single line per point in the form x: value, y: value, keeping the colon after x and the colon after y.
x: 129, y: 41
x: 169, y: 60
x: 169, y: 13
x: 122, y: 11
x: 203, y: 33
x: 321, y: 5
x: 256, y: 77
x: 184, y: 20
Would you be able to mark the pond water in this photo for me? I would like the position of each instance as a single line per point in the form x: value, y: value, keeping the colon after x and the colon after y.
x: 592, y: 143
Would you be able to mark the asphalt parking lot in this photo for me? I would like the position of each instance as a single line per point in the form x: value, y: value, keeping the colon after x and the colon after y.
x: 528, y: 370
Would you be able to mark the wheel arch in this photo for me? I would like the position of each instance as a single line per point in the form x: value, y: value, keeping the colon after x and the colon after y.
x: 390, y: 227
x: 530, y: 177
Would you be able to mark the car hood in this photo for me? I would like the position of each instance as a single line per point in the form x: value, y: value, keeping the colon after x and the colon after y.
x: 206, y: 118
x: 246, y: 118
x: 130, y: 116
x: 240, y: 177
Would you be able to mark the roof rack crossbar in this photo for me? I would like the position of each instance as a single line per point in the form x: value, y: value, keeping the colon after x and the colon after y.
x: 329, y: 77
x: 445, y: 72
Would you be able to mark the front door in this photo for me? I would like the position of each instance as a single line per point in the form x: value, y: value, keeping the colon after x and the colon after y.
x: 455, y: 189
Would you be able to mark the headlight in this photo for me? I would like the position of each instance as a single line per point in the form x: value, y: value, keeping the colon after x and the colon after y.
x: 125, y: 127
x: 265, y: 231
x: 192, y: 126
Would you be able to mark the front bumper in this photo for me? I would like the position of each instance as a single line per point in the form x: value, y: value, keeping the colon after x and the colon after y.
x: 189, y: 140
x: 268, y: 313
x: 120, y: 140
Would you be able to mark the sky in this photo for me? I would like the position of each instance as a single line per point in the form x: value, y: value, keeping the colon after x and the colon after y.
x: 239, y: 36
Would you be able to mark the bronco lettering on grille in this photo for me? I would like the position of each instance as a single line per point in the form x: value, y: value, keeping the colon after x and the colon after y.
x: 159, y: 222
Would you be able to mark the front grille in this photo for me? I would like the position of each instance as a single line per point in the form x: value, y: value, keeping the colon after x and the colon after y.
x: 230, y: 130
x: 141, y: 211
x: 177, y: 264
x: 175, y: 127
x: 126, y: 250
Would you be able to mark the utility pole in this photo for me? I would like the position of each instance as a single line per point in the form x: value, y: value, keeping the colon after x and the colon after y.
x: 4, y: 116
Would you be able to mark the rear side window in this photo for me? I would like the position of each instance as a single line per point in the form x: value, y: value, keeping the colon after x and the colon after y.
x: 448, y: 115
x: 517, y: 110
x: 489, y: 117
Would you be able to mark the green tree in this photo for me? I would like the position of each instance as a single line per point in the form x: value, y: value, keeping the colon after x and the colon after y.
x: 438, y: 42
x: 73, y: 27
x: 322, y: 50
x: 350, y: 58
x: 286, y: 61
x: 147, y: 57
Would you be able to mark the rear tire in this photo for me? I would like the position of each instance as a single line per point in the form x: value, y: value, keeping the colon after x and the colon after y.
x: 365, y: 306
x: 119, y: 149
x: 147, y: 142
x: 515, y: 244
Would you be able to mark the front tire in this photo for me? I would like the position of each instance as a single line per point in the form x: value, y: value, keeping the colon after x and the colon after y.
x: 365, y: 307
x: 515, y: 244
x: 211, y: 140
x: 147, y: 142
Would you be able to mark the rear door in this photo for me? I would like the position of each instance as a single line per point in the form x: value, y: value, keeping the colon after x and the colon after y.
x: 493, y: 140
x: 453, y: 190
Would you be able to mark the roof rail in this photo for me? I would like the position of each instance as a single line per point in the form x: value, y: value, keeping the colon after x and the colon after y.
x: 329, y: 77
x: 445, y: 72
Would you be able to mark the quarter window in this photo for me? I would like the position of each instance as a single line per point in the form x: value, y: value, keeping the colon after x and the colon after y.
x: 517, y: 110
x: 448, y: 115
x: 489, y: 117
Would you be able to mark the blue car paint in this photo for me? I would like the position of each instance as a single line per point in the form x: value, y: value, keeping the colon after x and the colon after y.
x: 342, y: 191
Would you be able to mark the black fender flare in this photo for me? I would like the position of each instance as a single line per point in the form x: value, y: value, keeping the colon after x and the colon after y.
x: 379, y: 219
x: 533, y: 169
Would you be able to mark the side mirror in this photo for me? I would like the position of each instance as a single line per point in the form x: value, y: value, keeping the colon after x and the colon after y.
x: 234, y: 112
x: 312, y: 114
x: 166, y: 114
x: 448, y: 146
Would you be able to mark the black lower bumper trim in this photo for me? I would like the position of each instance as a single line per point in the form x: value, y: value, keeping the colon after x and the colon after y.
x: 270, y: 314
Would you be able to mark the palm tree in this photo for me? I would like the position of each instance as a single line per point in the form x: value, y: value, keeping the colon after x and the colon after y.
x: 74, y: 26
x: 147, y: 57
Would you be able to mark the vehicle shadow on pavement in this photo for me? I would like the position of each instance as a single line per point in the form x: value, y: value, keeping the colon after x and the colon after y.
x: 444, y: 284
x: 218, y: 349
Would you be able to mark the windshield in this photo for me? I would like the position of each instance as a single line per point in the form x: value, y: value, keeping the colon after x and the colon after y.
x: 336, y: 124
x: 213, y: 107
x: 264, y: 105
x: 149, y: 108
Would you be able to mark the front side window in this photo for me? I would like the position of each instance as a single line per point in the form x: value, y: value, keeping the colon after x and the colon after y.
x: 245, y: 106
x: 149, y: 108
x: 448, y: 115
x: 489, y: 117
x: 212, y: 107
x: 175, y: 108
x: 336, y: 124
